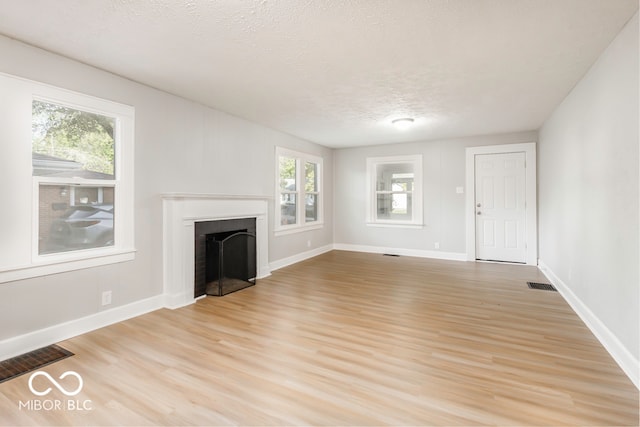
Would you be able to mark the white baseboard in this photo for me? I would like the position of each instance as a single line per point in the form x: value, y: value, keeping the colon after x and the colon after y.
x: 452, y: 256
x: 21, y: 344
x: 175, y: 301
x: 623, y: 357
x: 264, y: 271
x: 281, y: 263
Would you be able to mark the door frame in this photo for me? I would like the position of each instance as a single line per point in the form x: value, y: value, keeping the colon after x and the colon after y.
x: 531, y: 216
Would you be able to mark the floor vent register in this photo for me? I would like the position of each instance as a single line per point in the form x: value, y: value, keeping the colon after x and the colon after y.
x: 541, y: 286
x: 36, y: 359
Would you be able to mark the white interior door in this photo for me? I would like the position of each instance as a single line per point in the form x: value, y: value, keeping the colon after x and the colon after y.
x: 500, y: 204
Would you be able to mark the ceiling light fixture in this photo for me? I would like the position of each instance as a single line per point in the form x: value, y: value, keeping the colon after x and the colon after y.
x: 403, y: 123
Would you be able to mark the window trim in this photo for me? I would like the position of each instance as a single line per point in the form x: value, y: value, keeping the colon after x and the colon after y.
x: 416, y: 221
x: 37, y: 265
x: 301, y: 222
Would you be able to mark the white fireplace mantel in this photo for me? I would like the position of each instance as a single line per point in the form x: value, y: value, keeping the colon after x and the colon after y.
x: 180, y: 212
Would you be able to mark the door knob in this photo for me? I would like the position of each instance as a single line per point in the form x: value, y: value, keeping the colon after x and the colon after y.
x: 478, y: 205
x: 479, y: 212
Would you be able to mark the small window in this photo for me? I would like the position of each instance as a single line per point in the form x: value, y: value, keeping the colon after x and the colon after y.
x: 298, y: 191
x: 395, y: 190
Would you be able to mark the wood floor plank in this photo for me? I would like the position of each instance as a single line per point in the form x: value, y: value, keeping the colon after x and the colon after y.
x: 349, y: 339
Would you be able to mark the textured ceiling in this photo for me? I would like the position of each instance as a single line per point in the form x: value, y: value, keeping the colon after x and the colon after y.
x: 337, y: 71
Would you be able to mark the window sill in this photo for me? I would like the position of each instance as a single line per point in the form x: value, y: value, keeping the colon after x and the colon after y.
x: 47, y: 267
x: 298, y: 229
x: 395, y: 225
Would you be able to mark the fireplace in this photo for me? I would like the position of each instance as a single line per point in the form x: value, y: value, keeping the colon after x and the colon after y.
x: 225, y: 256
x: 181, y: 213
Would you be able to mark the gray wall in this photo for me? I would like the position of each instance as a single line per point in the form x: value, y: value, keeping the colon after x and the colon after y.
x: 443, y: 170
x: 588, y: 189
x: 180, y: 146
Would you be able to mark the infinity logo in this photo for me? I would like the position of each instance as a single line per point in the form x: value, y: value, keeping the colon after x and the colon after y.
x: 55, y: 383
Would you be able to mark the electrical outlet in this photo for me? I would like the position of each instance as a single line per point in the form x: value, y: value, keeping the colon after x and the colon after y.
x: 308, y: 243
x: 437, y: 245
x: 106, y: 298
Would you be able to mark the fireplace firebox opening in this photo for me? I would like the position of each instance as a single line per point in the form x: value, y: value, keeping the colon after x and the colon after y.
x: 225, y: 256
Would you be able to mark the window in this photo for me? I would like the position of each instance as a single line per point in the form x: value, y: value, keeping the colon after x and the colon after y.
x: 82, y: 175
x: 73, y: 159
x: 395, y: 191
x: 70, y: 157
x: 299, y: 178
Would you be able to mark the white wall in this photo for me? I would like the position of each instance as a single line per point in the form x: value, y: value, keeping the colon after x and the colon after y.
x: 444, y: 209
x: 588, y: 197
x: 181, y: 147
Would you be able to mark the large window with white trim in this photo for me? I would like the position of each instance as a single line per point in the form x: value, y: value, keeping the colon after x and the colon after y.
x: 68, y: 156
x: 394, y: 191
x: 73, y: 159
x: 298, y: 191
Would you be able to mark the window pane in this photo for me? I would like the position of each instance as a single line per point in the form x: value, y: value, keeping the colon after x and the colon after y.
x: 311, y: 177
x: 311, y: 207
x: 394, y: 206
x: 399, y: 203
x: 383, y: 207
x: 71, y: 143
x: 74, y: 217
x: 399, y: 175
x: 402, y: 185
x: 288, y: 208
x: 287, y: 174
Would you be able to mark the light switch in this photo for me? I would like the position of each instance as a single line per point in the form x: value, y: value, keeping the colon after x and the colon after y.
x: 459, y: 190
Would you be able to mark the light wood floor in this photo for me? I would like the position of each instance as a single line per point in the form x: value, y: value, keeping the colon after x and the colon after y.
x: 349, y: 339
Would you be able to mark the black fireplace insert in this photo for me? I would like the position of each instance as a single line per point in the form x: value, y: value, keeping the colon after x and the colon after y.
x: 225, y: 258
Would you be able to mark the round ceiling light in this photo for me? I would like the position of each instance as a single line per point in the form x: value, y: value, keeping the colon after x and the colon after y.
x: 403, y: 123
